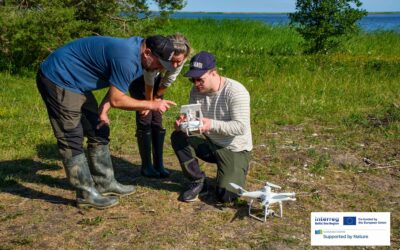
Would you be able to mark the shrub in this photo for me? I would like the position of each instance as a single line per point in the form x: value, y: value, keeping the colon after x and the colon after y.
x: 323, y: 23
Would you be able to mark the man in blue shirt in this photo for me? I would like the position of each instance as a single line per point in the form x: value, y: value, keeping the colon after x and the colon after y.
x: 65, y: 81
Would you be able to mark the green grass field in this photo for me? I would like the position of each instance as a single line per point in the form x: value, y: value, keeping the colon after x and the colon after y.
x: 324, y: 126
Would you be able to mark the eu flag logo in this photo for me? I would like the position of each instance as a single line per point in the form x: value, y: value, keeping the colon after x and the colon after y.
x: 349, y: 220
x: 318, y: 231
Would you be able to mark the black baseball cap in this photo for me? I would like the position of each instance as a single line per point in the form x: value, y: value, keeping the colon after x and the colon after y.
x: 162, y: 48
x: 200, y: 64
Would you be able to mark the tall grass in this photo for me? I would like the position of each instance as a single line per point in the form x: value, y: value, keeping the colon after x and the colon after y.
x: 288, y: 87
x: 343, y: 88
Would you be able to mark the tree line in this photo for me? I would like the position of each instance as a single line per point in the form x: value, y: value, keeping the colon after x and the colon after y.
x: 31, y: 29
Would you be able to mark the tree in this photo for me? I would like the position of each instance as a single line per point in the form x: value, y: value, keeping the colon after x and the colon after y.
x: 322, y: 23
x: 31, y: 29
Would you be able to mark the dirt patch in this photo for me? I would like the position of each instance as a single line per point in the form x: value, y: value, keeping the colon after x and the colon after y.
x: 37, y: 205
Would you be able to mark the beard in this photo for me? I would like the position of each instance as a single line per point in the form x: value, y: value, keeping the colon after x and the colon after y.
x: 147, y: 64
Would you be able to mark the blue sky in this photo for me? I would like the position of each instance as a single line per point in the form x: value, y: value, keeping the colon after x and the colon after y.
x: 274, y: 5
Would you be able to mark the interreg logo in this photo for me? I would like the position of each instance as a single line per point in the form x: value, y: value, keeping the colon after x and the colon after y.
x: 318, y: 231
x: 326, y: 221
x: 349, y: 220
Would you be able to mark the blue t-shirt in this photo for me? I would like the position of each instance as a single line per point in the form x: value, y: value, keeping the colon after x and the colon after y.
x: 97, y: 62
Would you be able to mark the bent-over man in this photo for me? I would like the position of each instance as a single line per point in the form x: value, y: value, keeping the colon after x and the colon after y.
x: 66, y: 80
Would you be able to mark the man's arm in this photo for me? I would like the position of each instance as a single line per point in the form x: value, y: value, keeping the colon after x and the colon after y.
x: 119, y: 100
x: 103, y: 111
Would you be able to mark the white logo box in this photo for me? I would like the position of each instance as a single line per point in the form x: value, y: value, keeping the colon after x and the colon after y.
x: 350, y: 229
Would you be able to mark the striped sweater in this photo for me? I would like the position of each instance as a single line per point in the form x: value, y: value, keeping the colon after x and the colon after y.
x: 229, y: 111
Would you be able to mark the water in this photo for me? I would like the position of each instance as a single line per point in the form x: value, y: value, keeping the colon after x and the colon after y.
x: 372, y: 22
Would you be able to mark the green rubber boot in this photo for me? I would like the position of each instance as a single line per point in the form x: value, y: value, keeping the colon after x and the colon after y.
x: 87, y: 195
x: 101, y: 167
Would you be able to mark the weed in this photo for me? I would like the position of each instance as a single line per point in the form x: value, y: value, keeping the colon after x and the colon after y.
x: 273, y: 169
x: 226, y: 215
x: 91, y: 221
x: 272, y: 146
x: 312, y: 152
x: 321, y: 164
x: 107, y: 233
x: 316, y: 197
x: 22, y: 241
x: 230, y: 244
x: 12, y: 216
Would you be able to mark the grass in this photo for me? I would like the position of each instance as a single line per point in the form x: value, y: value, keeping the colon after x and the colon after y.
x: 91, y: 221
x: 324, y: 126
x: 295, y: 87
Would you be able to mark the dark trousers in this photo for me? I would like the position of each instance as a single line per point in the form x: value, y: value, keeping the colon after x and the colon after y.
x: 232, y: 166
x: 72, y: 116
x: 154, y: 119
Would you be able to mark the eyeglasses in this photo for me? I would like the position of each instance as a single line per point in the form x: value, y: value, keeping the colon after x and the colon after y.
x: 200, y: 80
x: 196, y: 80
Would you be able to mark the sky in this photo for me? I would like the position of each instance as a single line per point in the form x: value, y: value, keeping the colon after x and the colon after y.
x: 274, y: 5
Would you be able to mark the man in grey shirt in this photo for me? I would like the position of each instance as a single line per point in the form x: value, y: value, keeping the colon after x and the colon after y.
x: 225, y: 136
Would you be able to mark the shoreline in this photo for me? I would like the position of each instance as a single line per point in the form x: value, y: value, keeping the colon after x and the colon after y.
x: 266, y: 13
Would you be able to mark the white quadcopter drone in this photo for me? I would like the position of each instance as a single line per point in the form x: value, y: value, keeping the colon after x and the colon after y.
x: 193, y: 117
x: 266, y: 197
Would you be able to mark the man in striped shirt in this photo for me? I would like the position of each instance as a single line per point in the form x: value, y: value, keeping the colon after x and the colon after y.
x: 225, y: 136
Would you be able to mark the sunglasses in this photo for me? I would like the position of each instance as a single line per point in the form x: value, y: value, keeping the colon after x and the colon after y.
x: 201, y: 80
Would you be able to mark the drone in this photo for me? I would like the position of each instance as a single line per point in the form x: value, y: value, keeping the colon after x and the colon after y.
x: 193, y: 117
x: 266, y: 197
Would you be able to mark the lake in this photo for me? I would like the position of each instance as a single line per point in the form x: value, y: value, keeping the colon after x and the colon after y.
x: 370, y: 23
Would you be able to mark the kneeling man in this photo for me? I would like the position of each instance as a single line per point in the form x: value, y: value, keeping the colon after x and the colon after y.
x: 225, y: 137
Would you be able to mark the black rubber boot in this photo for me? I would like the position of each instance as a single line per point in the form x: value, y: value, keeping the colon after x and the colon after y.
x: 102, y: 171
x: 158, y: 136
x: 144, y: 143
x: 87, y: 195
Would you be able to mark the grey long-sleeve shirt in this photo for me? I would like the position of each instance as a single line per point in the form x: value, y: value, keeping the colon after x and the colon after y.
x: 229, y: 111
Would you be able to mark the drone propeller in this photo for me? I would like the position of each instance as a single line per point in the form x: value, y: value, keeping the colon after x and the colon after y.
x: 273, y: 185
x: 237, y: 187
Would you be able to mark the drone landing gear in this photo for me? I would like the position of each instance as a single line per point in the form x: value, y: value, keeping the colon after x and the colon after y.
x: 267, y: 212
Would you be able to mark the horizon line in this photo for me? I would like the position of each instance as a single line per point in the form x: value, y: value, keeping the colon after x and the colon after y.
x: 255, y: 12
